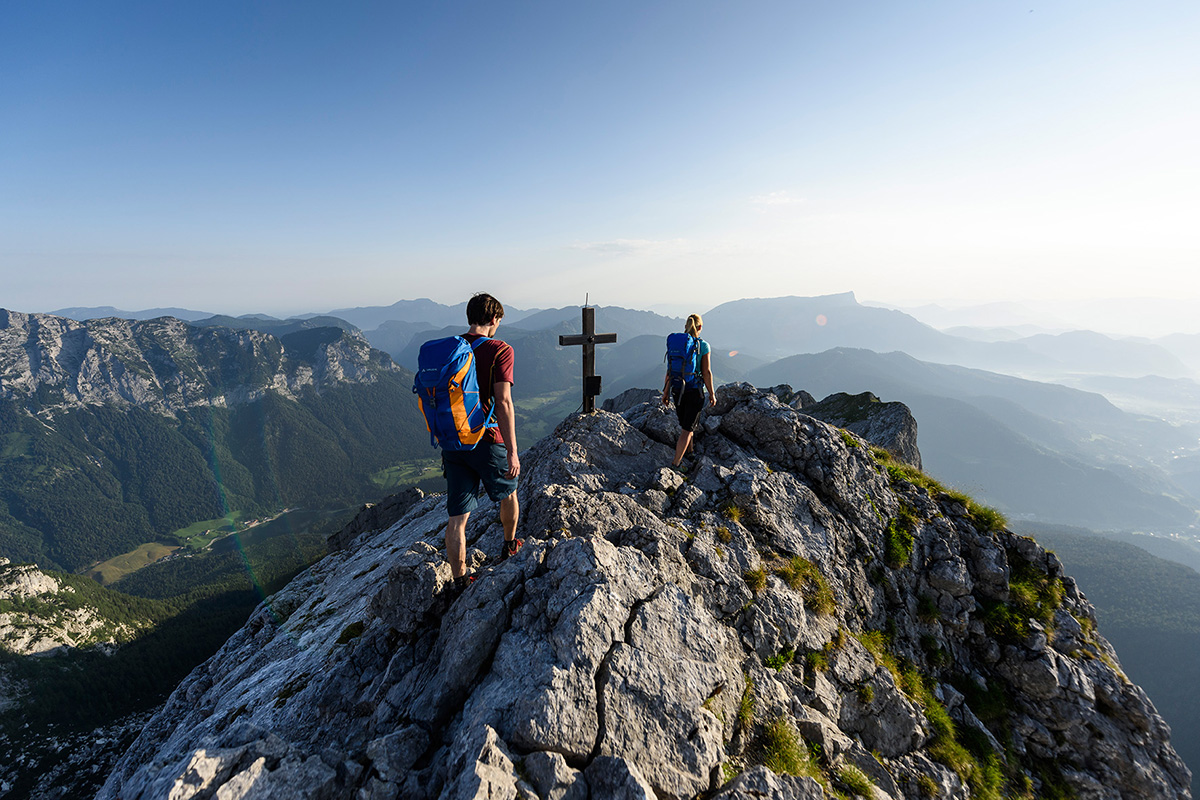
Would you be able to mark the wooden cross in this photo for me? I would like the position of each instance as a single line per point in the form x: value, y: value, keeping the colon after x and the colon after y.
x: 589, y: 340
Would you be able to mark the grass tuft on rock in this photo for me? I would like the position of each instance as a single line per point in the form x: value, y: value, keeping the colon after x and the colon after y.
x: 987, y: 519
x: 927, y: 609
x: 900, y: 537
x: 855, y: 780
x: 817, y: 661
x: 780, y: 660
x: 879, y: 645
x: 803, y: 576
x: 784, y: 753
x: 756, y: 579
x: 745, y: 712
x: 1033, y: 595
x: 971, y: 757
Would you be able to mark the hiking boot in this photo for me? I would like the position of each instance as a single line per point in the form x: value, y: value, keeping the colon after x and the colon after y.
x: 511, y: 548
x: 459, y: 585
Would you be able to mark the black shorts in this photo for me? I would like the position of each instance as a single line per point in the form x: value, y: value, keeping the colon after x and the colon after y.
x: 688, y: 407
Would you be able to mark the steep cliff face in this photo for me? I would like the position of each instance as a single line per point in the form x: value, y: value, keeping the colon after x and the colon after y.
x: 792, y: 619
x: 166, y: 365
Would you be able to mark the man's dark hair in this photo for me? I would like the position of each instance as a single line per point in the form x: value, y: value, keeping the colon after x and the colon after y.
x: 482, y: 308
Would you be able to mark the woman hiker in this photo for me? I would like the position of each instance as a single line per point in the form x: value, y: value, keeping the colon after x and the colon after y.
x: 688, y: 354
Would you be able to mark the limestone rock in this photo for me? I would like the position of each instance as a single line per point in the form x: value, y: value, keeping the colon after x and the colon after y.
x: 376, y: 517
x: 887, y: 425
x: 629, y: 399
x: 760, y: 782
x: 650, y: 633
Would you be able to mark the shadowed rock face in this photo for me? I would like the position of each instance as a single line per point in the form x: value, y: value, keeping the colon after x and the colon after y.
x: 887, y: 425
x: 653, y: 629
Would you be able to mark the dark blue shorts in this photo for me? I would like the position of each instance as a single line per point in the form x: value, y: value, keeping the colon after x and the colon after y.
x: 464, y: 470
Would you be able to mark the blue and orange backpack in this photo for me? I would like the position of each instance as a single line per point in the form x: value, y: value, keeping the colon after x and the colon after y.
x: 448, y: 392
x: 683, y: 361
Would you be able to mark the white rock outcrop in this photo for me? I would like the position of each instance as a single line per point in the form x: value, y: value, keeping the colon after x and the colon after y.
x: 662, y: 636
x: 39, y: 615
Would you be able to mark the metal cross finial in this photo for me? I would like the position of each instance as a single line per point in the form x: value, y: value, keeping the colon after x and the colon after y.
x: 589, y: 339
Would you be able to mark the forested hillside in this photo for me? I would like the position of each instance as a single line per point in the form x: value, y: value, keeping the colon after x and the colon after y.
x: 115, y: 433
x: 101, y: 481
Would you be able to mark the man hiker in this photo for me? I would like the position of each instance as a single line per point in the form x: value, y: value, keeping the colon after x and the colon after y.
x: 494, y: 459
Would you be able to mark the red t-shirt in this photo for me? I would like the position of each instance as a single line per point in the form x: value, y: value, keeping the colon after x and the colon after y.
x: 493, y: 364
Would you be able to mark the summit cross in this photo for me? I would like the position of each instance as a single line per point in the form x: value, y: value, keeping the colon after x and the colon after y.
x: 589, y: 339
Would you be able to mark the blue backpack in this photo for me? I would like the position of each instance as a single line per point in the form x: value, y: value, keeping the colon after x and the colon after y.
x: 448, y: 392
x: 683, y: 362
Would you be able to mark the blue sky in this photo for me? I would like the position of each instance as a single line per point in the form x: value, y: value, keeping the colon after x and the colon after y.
x: 297, y: 156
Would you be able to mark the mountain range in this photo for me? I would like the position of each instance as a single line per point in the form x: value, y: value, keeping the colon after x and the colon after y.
x: 1062, y: 452
x: 153, y: 425
x: 772, y: 328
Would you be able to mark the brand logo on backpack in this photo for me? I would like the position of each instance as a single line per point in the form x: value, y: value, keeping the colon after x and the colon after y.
x: 448, y: 392
x: 683, y: 361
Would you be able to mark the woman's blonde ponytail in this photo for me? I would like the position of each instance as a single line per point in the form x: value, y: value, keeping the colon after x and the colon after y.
x: 692, y: 327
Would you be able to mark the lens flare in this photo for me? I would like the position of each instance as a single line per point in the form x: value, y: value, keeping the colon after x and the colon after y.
x: 214, y: 464
x: 822, y: 319
x: 733, y: 353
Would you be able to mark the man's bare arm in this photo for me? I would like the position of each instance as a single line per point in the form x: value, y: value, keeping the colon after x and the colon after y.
x: 507, y: 418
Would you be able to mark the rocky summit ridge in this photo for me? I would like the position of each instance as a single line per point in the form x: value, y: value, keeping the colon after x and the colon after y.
x: 166, y: 365
x: 800, y: 616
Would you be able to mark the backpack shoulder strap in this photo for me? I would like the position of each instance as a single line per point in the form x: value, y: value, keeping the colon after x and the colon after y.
x: 491, y: 418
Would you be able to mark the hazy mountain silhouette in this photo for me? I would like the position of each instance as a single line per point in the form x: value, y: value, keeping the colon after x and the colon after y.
x: 83, y: 314
x: 1184, y: 346
x: 1029, y: 447
x: 625, y: 322
x: 424, y: 310
x: 1087, y: 351
x: 275, y: 327
x: 782, y: 326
